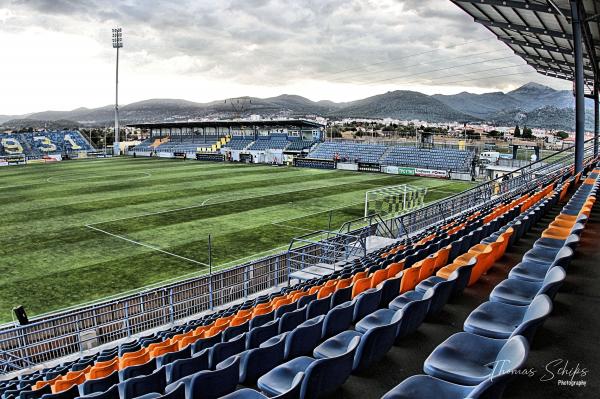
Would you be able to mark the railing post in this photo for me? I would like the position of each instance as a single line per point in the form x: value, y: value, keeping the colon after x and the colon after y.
x: 210, y: 292
x: 245, y: 281
x: 127, y: 322
x: 171, y: 306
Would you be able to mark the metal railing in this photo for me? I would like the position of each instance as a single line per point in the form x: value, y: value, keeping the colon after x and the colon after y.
x: 64, y: 333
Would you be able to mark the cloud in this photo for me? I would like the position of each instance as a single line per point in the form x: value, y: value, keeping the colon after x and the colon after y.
x: 265, y: 45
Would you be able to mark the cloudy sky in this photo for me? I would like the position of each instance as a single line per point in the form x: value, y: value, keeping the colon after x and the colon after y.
x: 57, y: 54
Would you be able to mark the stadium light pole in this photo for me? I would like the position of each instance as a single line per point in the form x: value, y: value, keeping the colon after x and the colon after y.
x: 117, y: 43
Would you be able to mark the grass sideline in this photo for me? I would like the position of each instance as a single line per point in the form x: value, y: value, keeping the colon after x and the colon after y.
x: 52, y: 254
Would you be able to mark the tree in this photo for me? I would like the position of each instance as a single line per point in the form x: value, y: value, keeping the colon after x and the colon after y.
x: 527, y: 133
x: 562, y: 135
x: 517, y: 132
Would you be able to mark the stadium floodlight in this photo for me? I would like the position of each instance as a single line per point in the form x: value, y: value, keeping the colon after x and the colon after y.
x: 117, y: 43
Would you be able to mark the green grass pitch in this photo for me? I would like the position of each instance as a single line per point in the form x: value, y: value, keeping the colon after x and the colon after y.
x: 78, y: 231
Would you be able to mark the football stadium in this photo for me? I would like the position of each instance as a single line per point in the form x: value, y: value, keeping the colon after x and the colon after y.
x: 252, y: 258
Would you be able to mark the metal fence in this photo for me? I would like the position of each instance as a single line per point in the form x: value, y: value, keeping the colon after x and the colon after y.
x: 64, y: 333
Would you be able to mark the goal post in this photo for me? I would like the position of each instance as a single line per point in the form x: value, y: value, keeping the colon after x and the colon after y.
x: 394, y: 200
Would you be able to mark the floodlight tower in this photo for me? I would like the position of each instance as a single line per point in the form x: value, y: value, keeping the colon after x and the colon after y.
x: 117, y: 43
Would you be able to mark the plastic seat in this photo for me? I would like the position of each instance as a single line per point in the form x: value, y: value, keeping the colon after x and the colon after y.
x: 291, y: 320
x: 470, y: 359
x: 170, y: 357
x: 303, y: 339
x: 134, y: 371
x: 375, y: 342
x: 412, y: 296
x: 260, y: 334
x: 177, y: 393
x: 426, y: 267
x: 367, y: 302
x: 321, y: 376
x: 160, y: 350
x: 71, y: 379
x: 280, y: 311
x: 205, y: 343
x: 110, y: 393
x: 211, y: 384
x: 318, y: 307
x: 360, y: 286
x: 536, y: 272
x: 378, y: 318
x: 138, y: 386
x: 70, y: 393
x: 262, y: 319
x: 37, y: 393
x: 425, y: 386
x: 501, y: 320
x: 234, y: 331
x: 340, y: 296
x: 521, y: 292
x: 305, y: 300
x: 410, y: 279
x: 443, y: 290
x: 185, y: 367
x: 99, y: 384
x: 224, y: 350
x: 256, y: 362
x: 389, y: 289
x: 338, y: 319
x: 246, y: 393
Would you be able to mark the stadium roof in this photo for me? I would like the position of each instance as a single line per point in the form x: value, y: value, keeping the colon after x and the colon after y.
x: 230, y: 123
x: 540, y: 32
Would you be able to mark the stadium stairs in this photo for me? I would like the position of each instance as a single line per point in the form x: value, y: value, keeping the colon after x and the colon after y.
x: 337, y: 332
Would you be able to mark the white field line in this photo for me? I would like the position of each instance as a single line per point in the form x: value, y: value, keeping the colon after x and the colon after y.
x: 286, y: 226
x: 147, y: 246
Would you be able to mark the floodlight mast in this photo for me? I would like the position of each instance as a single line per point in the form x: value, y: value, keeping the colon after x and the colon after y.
x: 117, y: 43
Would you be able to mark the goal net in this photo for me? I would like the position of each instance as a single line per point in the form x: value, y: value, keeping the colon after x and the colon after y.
x: 394, y: 200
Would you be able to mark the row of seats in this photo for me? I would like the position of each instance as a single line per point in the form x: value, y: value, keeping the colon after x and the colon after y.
x: 218, y: 336
x: 239, y: 143
x: 439, y: 159
x: 349, y: 152
x: 444, y: 159
x: 503, y: 328
x: 177, y: 143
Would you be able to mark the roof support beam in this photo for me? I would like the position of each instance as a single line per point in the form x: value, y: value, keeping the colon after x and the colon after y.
x: 523, y: 43
x: 519, y: 5
x: 579, y: 91
x: 596, y: 117
x: 589, y: 42
x: 522, y: 28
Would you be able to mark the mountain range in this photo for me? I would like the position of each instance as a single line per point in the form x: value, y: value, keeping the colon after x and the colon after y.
x: 532, y: 104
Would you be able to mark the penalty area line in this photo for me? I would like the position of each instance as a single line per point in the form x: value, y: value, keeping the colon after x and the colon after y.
x: 147, y: 246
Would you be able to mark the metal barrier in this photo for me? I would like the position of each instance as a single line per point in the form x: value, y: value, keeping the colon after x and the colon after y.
x: 64, y: 333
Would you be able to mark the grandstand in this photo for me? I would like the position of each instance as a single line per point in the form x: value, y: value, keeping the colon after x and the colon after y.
x: 38, y: 144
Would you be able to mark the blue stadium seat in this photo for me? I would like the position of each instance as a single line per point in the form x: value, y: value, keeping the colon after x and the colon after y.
x: 501, y: 320
x: 321, y: 376
x: 256, y: 362
x: 521, y: 292
x: 470, y: 359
